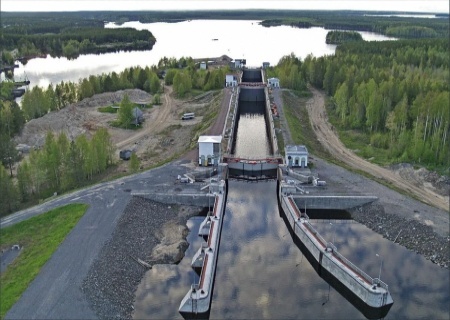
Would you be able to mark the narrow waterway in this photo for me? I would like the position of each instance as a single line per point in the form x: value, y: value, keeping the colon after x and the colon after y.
x: 251, y: 137
x: 262, y: 274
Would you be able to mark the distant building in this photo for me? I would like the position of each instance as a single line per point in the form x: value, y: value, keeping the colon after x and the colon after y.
x: 296, y: 156
x: 231, y: 80
x: 239, y: 63
x: 265, y: 65
x: 203, y: 65
x: 274, y: 82
x: 209, y: 150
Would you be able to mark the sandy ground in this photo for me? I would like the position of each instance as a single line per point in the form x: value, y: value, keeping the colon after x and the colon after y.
x: 163, y: 133
x: 330, y: 140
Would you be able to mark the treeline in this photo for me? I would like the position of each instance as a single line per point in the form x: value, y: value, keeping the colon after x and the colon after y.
x: 395, y: 93
x: 338, y: 37
x: 400, y: 27
x: 183, y: 74
x: 60, y: 165
x: 73, y: 42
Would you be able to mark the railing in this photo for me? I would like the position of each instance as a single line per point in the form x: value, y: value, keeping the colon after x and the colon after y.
x: 261, y: 159
x: 347, y: 263
x: 315, y: 234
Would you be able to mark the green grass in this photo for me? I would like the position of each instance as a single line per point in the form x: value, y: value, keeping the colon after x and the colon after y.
x: 299, y: 126
x: 280, y: 140
x: 39, y: 236
x: 108, y: 109
x: 118, y: 124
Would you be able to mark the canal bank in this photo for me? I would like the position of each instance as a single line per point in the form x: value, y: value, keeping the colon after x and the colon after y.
x: 414, y: 289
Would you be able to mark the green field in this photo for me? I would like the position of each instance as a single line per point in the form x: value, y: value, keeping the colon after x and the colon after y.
x: 39, y: 237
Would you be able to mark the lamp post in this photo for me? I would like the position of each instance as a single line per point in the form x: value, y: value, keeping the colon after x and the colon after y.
x: 334, y: 233
x: 381, y: 265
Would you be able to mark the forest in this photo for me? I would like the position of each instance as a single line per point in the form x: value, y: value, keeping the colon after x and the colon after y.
x: 390, y: 99
x: 338, y: 37
x: 68, y: 36
x: 61, y: 165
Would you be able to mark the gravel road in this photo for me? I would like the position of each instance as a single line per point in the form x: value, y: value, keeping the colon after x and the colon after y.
x: 330, y: 140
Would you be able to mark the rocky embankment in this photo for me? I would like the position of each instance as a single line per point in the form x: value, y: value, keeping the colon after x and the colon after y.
x: 148, y: 231
x: 411, y: 234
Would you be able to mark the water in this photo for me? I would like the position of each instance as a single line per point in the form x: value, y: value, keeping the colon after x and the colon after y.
x: 236, y: 38
x: 251, y: 142
x: 262, y: 274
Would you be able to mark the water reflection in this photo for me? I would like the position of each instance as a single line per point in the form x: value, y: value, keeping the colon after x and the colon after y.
x: 262, y: 274
x: 192, y: 39
x: 160, y: 292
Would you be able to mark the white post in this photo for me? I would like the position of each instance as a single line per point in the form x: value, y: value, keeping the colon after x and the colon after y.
x: 381, y: 265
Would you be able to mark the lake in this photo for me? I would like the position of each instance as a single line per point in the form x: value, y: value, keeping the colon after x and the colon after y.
x: 235, y: 38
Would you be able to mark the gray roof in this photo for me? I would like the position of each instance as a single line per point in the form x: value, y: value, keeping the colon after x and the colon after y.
x: 296, y: 148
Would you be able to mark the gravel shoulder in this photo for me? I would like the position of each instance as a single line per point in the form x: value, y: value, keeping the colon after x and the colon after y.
x: 147, y: 231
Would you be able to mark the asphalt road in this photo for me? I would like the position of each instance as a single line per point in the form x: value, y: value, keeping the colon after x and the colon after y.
x: 55, y: 293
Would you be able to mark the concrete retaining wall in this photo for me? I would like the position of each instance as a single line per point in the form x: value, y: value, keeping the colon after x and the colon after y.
x: 197, y: 300
x: 371, y: 291
x: 332, y: 202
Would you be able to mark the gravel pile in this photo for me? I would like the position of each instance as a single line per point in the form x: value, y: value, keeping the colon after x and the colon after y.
x: 113, y: 278
x: 114, y: 98
x: 411, y: 234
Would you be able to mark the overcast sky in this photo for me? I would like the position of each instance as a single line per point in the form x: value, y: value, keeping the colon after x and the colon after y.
x: 432, y: 6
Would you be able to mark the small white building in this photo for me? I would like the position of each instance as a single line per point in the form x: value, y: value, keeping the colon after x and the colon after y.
x: 274, y: 82
x: 203, y: 65
x: 296, y: 156
x: 209, y: 150
x: 231, y: 80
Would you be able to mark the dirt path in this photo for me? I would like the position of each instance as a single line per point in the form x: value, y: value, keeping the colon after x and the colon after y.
x: 157, y: 124
x: 329, y: 139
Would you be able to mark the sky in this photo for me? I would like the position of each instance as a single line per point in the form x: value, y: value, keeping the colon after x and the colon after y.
x: 431, y: 6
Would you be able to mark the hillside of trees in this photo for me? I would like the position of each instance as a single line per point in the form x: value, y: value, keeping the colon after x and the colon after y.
x: 400, y: 27
x: 67, y: 35
x: 339, y: 37
x: 61, y: 165
x: 391, y: 96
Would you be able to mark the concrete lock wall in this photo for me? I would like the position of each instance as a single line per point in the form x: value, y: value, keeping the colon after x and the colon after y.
x: 252, y: 75
x: 332, y: 202
x: 270, y: 125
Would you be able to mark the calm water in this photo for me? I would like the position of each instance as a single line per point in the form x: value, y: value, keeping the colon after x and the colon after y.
x: 237, y: 39
x: 262, y: 274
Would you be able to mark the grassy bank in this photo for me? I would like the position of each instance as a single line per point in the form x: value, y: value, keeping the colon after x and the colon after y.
x: 39, y: 237
x: 299, y: 126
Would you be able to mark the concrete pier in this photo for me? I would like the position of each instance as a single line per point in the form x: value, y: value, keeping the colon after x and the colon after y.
x: 372, y: 291
x: 197, y: 301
